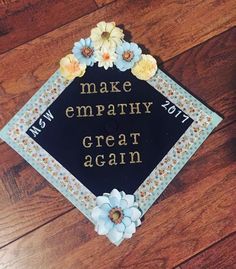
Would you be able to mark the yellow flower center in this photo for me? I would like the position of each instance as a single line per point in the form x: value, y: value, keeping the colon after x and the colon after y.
x: 106, y: 56
x: 87, y: 52
x: 116, y: 215
x: 105, y: 35
x: 128, y: 55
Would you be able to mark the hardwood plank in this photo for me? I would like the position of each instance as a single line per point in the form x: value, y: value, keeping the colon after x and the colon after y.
x: 21, y: 21
x: 26, y: 68
x: 212, y: 82
x: 19, y: 181
x: 221, y: 256
x: 172, y: 231
x: 17, y: 178
x: 27, y: 199
x: 102, y: 3
x: 30, y: 213
x: 217, y: 152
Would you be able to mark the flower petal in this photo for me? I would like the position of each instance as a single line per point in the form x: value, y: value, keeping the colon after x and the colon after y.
x: 126, y: 46
x: 127, y: 212
x: 127, y: 235
x: 127, y: 221
x: 131, y: 228
x: 110, y: 26
x: 114, y: 235
x: 115, y: 193
x: 122, y: 194
x: 98, y: 213
x: 102, y: 200
x: 114, y: 201
x: 120, y: 227
x: 104, y: 226
x: 130, y: 199
x: 102, y: 25
x: 106, y: 208
x: 123, y: 204
x: 136, y: 213
x: 138, y: 222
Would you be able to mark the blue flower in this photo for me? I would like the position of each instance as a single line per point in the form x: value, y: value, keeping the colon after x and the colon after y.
x: 127, y: 55
x: 84, y: 51
x: 116, y: 216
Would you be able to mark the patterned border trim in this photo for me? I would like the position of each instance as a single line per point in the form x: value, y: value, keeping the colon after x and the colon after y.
x: 14, y: 133
x: 205, y: 121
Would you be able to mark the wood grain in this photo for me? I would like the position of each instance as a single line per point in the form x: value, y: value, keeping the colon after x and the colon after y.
x: 172, y: 231
x: 213, y: 64
x: 30, y: 213
x: 20, y: 182
x: 221, y: 256
x: 27, y: 199
x: 21, y: 21
x: 188, y: 25
x: 102, y: 3
x: 217, y: 152
x: 17, y: 177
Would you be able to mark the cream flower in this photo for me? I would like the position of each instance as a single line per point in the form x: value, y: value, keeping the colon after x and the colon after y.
x: 145, y: 68
x: 105, y: 57
x: 106, y: 34
x: 70, y: 67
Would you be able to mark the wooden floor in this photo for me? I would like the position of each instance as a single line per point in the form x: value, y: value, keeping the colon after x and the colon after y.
x: 193, y: 223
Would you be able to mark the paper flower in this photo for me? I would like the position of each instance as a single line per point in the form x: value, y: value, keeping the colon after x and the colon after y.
x: 116, y: 215
x: 105, y: 57
x: 84, y: 51
x: 106, y: 34
x: 127, y: 55
x: 70, y: 67
x: 145, y: 68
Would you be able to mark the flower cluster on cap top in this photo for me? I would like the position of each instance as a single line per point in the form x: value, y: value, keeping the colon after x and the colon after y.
x: 107, y: 47
x: 116, y: 215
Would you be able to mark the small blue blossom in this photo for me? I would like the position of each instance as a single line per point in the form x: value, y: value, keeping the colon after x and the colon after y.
x: 84, y: 51
x: 116, y: 215
x: 127, y: 55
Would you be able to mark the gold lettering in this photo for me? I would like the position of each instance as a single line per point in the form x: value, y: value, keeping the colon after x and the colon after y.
x: 125, y: 85
x: 88, y: 161
x: 99, y: 138
x: 87, y: 144
x: 122, y: 140
x: 103, y: 87
x: 133, y: 155
x: 111, y: 110
x: 86, y: 88
x: 134, y: 136
x: 82, y: 111
x: 100, y: 108
x: 101, y: 162
x: 109, y: 139
x: 133, y: 107
x: 113, y: 86
x: 147, y: 106
x: 69, y: 110
x: 122, y: 112
x: 122, y: 158
x: 112, y: 159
